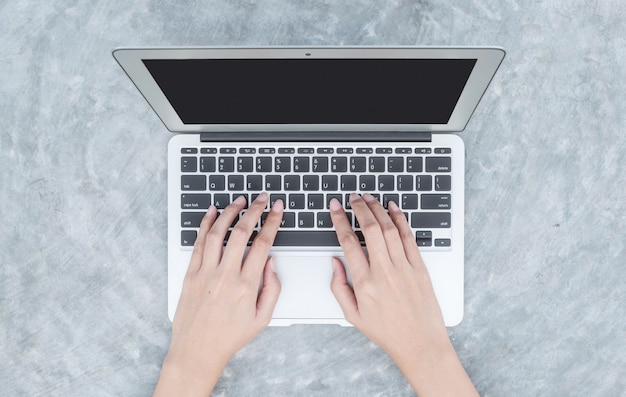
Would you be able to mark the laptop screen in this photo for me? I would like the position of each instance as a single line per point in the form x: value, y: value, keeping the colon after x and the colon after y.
x: 312, y: 91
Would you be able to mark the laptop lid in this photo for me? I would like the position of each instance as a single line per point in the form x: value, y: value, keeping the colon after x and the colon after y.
x: 244, y: 90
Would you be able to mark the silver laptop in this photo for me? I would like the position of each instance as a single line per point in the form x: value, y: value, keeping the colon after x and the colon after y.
x: 306, y: 124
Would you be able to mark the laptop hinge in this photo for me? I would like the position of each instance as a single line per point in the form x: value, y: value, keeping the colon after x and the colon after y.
x: 317, y: 136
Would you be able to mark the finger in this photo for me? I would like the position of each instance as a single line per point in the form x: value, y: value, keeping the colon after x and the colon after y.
x: 240, y: 235
x: 406, y: 235
x: 215, y: 237
x: 374, y: 239
x: 260, y: 249
x: 269, y: 294
x: 343, y: 292
x: 198, y: 247
x: 350, y: 244
x: 389, y: 230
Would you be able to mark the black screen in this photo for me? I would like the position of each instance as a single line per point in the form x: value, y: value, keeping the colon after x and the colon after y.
x: 312, y: 91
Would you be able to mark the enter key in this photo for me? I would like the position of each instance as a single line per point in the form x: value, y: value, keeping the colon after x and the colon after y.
x: 436, y: 202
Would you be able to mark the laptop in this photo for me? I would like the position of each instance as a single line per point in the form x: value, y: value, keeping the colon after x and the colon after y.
x: 306, y: 124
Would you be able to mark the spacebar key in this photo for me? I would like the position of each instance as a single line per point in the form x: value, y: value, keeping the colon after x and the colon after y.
x: 310, y: 238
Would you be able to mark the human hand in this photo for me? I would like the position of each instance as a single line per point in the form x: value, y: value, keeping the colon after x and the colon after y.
x: 220, y: 307
x: 392, y: 300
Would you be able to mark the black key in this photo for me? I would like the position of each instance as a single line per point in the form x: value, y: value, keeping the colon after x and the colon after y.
x: 348, y: 182
x: 305, y: 219
x: 273, y: 182
x: 292, y: 182
x: 226, y: 164
x: 438, y: 164
x: 254, y: 182
x: 404, y: 150
x: 264, y: 164
x: 216, y: 182
x: 247, y: 150
x: 188, y: 164
x: 189, y: 150
x: 282, y: 164
x: 306, y: 150
x: 409, y: 201
x: 221, y: 200
x: 367, y: 182
x: 310, y: 182
x: 385, y: 183
x: 413, y: 164
x: 323, y: 220
x: 442, y: 242
x: 245, y: 164
x: 424, y: 242
x: 267, y: 150
x: 384, y: 150
x: 315, y: 201
x: 345, y: 150
x: 289, y: 219
x: 245, y: 195
x: 208, y: 150
x: 423, y: 234
x: 339, y: 164
x: 228, y: 150
x: 430, y: 220
x: 278, y: 196
x: 422, y: 150
x: 263, y: 217
x: 207, y: 164
x: 390, y: 197
x: 296, y: 201
x: 325, y: 150
x: 188, y: 238
x: 286, y: 150
x: 349, y: 216
x: 423, y: 182
x: 191, y: 219
x: 195, y: 201
x: 320, y: 164
x: 436, y: 201
x: 377, y: 164
x: 443, y: 182
x: 193, y: 182
x: 301, y: 164
x: 311, y: 238
x: 347, y: 201
x: 364, y: 150
x: 358, y: 164
x: 329, y: 182
x: 235, y: 182
x: 332, y: 196
x: 395, y: 164
x: 443, y: 150
x: 405, y: 183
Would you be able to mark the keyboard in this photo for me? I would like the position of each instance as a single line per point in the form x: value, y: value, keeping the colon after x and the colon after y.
x: 306, y: 177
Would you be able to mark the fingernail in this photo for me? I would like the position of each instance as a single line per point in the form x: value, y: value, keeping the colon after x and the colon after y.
x: 272, y: 265
x: 261, y: 197
x: 392, y: 206
x: 241, y: 200
x: 368, y: 197
x: 278, y: 206
x: 354, y: 196
x: 334, y: 205
x: 210, y: 210
x: 334, y: 261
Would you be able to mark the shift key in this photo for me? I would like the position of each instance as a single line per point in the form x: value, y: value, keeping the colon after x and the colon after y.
x: 428, y: 220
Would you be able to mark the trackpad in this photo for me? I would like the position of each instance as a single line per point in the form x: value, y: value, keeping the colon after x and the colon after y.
x: 305, y: 288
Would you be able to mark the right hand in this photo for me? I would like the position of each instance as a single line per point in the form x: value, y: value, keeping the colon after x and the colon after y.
x: 392, y: 300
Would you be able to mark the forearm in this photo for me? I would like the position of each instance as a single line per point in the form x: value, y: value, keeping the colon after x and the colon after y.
x: 436, y: 372
x: 177, y: 378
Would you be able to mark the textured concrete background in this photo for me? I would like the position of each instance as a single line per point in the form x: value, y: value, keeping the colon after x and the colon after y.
x: 83, y: 198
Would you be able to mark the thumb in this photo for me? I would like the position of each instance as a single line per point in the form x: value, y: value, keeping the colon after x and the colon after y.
x: 343, y: 292
x: 269, y: 293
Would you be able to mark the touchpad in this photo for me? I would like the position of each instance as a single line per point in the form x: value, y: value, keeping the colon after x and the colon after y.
x: 305, y: 288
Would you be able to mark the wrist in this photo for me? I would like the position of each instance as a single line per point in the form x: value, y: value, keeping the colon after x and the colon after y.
x: 435, y: 370
x: 181, y: 375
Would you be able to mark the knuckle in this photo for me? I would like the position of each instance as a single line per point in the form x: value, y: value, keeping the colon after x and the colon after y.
x: 263, y: 241
x: 239, y: 233
x: 370, y: 227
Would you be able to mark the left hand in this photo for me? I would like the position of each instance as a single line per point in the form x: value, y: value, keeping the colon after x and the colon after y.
x: 220, y: 308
